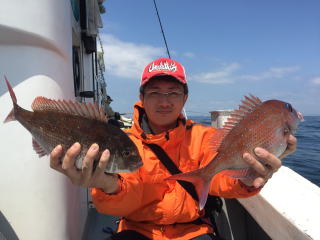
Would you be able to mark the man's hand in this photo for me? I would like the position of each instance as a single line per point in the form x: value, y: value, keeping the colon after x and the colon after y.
x: 85, y: 177
x: 291, y: 148
x: 264, y: 171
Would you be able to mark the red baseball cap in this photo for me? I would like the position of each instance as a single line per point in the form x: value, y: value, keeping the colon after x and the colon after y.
x: 163, y: 66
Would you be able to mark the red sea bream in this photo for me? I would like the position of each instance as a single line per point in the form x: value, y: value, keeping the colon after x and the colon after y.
x: 64, y: 122
x: 255, y: 124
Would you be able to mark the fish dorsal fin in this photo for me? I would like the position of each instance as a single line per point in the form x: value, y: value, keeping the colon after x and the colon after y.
x: 247, y: 105
x: 87, y: 110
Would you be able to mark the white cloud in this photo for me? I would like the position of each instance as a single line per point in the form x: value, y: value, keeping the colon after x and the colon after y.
x: 274, y: 72
x: 125, y: 59
x: 189, y: 54
x: 229, y: 74
x: 316, y: 80
x: 219, y: 77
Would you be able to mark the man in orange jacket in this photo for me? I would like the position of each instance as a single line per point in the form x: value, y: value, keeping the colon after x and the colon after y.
x: 150, y: 206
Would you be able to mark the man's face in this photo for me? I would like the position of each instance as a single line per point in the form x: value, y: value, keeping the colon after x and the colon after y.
x: 163, y: 102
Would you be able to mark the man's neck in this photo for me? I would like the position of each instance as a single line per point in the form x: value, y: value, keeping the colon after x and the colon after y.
x: 149, y: 127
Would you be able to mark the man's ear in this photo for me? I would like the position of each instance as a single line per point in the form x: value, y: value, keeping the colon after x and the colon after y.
x: 141, y: 98
x: 185, y: 98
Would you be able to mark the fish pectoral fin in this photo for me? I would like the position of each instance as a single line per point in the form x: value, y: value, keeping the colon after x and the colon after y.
x: 38, y: 149
x: 200, y: 183
x: 238, y: 173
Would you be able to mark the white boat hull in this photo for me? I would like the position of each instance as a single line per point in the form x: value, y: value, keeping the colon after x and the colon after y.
x: 36, y: 56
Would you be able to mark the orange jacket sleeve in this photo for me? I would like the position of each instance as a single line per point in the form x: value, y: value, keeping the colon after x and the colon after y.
x: 227, y: 187
x: 123, y: 203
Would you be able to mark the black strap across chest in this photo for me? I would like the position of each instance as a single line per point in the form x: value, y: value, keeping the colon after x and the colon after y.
x: 214, y: 203
x: 172, y: 168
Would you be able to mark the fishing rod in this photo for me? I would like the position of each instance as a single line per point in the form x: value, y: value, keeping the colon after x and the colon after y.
x: 163, y: 35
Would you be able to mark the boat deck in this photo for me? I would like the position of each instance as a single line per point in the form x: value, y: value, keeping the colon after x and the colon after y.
x: 234, y: 223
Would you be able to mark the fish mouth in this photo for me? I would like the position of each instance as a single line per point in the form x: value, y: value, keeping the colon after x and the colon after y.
x: 136, y: 166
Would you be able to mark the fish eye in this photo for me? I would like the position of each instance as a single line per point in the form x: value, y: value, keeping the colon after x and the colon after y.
x: 126, y: 153
x: 289, y: 107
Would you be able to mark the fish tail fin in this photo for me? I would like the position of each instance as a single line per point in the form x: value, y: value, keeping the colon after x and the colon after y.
x: 200, y: 182
x: 13, y: 96
x: 11, y: 116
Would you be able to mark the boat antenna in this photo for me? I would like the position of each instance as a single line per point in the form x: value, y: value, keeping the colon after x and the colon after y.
x: 163, y: 35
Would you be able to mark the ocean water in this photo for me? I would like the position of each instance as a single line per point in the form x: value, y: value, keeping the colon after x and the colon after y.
x: 306, y: 159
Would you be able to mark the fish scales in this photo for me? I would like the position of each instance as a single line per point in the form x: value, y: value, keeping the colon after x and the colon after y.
x: 58, y: 122
x: 257, y: 129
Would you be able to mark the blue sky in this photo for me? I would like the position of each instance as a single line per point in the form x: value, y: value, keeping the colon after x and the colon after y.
x: 270, y: 49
